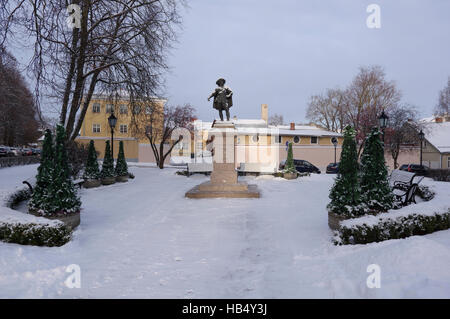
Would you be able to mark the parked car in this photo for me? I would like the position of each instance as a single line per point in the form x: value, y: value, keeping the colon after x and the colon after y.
x: 420, y: 170
x: 15, y: 151
x: 36, y: 151
x: 3, y: 151
x: 302, y: 166
x: 27, y: 152
x: 333, y: 168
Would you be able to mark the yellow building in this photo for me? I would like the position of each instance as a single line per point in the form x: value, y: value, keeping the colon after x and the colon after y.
x: 132, y: 121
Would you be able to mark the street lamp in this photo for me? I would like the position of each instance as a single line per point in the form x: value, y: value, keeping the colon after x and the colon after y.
x: 421, y: 137
x: 112, y: 121
x: 383, y: 120
x: 335, y: 143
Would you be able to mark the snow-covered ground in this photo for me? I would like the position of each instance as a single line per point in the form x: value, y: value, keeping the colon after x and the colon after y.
x: 144, y: 239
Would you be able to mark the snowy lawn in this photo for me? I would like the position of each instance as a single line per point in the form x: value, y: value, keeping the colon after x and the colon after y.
x: 144, y: 239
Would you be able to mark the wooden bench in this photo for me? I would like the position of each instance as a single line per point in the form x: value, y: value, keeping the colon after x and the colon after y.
x: 404, y: 187
x: 200, y: 168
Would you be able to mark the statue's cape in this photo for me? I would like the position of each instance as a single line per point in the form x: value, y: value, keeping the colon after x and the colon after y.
x: 229, y: 100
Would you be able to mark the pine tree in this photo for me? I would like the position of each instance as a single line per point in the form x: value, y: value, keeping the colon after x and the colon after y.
x: 289, y: 166
x: 345, y: 194
x: 121, y: 165
x: 108, y: 163
x: 41, y: 199
x: 92, y: 170
x: 64, y: 198
x: 375, y: 190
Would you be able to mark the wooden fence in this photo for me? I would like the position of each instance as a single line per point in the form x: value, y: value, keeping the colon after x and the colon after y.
x: 19, y: 160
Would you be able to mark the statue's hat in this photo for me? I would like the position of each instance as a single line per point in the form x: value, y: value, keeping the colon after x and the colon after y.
x: 220, y: 80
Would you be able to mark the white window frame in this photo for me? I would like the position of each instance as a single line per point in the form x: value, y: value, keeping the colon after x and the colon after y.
x: 94, y: 126
x: 94, y: 108
x: 317, y: 140
x: 121, y: 126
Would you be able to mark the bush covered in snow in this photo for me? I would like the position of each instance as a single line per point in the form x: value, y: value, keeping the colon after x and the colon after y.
x: 392, y: 228
x: 25, y: 229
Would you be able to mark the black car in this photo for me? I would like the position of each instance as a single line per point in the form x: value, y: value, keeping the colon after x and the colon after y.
x: 302, y: 166
x: 333, y: 168
x: 420, y: 170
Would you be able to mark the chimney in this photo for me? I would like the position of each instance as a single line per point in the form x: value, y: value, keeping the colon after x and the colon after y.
x: 292, y: 126
x: 265, y: 112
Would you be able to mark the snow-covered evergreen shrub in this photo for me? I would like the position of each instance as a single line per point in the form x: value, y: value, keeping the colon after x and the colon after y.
x: 121, y: 165
x: 35, y: 234
x: 289, y: 166
x: 376, y: 192
x: 92, y: 170
x: 41, y: 200
x: 392, y: 228
x: 345, y: 194
x: 108, y: 163
x: 64, y: 195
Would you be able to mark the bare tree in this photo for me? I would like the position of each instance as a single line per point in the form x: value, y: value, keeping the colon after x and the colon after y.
x: 443, y: 106
x: 18, y: 118
x: 276, y: 119
x: 328, y: 110
x: 369, y: 94
x: 157, y: 125
x: 402, y: 130
x: 118, y: 43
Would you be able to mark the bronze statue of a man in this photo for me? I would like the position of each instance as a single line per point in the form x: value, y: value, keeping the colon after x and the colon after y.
x: 222, y: 98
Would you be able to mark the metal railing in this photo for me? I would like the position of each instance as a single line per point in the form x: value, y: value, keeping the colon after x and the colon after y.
x: 19, y: 160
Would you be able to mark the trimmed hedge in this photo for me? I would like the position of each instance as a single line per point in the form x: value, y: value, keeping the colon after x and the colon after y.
x: 35, y: 234
x: 17, y: 197
x: 395, y: 228
x: 442, y: 175
x: 38, y: 234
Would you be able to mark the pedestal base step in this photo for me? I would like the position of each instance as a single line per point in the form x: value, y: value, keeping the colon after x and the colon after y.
x: 209, y: 190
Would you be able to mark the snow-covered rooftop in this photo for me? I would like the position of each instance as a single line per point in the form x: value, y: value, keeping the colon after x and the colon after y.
x: 260, y: 126
x: 438, y: 134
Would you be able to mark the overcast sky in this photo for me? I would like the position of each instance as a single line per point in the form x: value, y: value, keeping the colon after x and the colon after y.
x: 282, y: 52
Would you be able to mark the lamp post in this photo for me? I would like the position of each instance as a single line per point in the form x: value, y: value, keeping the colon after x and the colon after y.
x: 112, y: 121
x: 335, y: 143
x: 383, y: 121
x: 421, y: 137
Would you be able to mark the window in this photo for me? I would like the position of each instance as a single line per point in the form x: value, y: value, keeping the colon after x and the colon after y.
x: 313, y: 139
x: 279, y: 139
x: 123, y: 128
x: 448, y: 162
x: 123, y: 109
x: 148, y: 110
x: 136, y: 110
x: 95, y: 128
x: 96, y: 108
x: 255, y: 138
x: 296, y: 139
x: 109, y: 108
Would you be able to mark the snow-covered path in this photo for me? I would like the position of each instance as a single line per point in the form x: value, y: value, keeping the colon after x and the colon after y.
x: 144, y: 239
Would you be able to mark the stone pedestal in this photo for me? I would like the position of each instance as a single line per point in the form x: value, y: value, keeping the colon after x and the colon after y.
x: 224, y: 179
